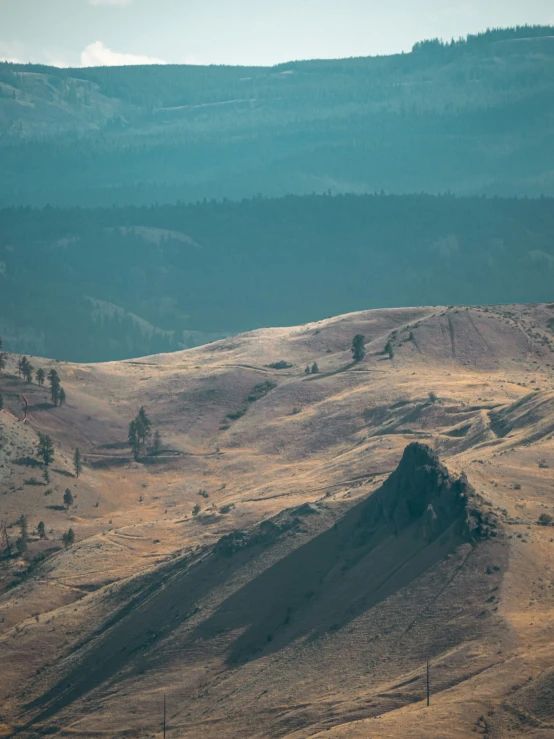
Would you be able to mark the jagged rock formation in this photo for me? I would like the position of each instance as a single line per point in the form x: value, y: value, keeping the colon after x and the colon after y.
x: 422, y: 490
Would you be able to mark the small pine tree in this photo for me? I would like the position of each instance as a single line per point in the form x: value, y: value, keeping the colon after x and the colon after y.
x: 21, y: 543
x: 140, y: 430
x: 389, y: 349
x: 315, y: 369
x: 41, y: 530
x: 4, y: 537
x: 45, y: 449
x: 46, y: 476
x: 61, y: 396
x: 307, y: 370
x: 55, y: 386
x: 27, y: 370
x: 40, y: 376
x: 358, y: 347
x: 77, y: 462
x: 196, y: 510
x: 68, y: 498
x: 143, y: 425
x: 68, y: 538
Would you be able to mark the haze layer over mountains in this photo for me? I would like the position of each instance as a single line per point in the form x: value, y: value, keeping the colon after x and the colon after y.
x: 473, y: 117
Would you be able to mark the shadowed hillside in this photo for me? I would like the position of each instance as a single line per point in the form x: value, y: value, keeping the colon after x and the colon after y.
x: 299, y: 545
x: 320, y: 584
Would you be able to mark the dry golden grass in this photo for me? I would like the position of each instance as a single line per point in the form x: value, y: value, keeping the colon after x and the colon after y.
x: 211, y: 632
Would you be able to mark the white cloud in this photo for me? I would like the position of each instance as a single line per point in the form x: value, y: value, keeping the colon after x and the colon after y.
x: 110, y: 2
x: 98, y: 55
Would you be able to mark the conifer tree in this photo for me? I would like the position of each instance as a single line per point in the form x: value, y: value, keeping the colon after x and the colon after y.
x: 140, y: 430
x: 27, y: 370
x: 61, y: 396
x: 68, y: 538
x: 21, y: 543
x: 358, y: 347
x: 143, y: 426
x: 68, y: 498
x: 5, y: 539
x: 77, y: 462
x: 45, y: 449
x: 41, y: 530
x: 40, y: 376
x: 55, y: 386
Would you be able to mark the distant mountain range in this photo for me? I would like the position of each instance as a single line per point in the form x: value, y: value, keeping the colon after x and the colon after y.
x: 91, y: 285
x: 473, y: 117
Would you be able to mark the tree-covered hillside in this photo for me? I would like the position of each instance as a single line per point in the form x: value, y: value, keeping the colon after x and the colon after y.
x: 471, y: 117
x: 119, y: 282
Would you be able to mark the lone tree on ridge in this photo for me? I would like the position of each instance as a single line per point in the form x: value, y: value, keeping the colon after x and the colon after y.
x: 358, y: 347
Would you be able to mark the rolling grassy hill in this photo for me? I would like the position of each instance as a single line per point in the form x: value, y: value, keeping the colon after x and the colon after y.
x: 288, y: 571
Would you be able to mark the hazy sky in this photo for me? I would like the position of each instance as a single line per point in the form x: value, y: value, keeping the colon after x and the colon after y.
x: 90, y: 32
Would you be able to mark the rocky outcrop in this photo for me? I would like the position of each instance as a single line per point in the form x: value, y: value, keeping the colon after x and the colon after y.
x: 422, y: 491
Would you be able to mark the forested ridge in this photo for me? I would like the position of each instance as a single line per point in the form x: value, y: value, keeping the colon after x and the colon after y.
x: 96, y: 284
x: 475, y: 116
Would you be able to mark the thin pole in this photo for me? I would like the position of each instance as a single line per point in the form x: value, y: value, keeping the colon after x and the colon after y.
x: 164, y: 715
x: 428, y: 686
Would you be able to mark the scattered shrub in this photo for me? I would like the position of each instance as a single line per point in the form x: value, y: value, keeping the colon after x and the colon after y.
x: 260, y: 390
x: 235, y: 415
x: 280, y: 365
x: 68, y: 538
